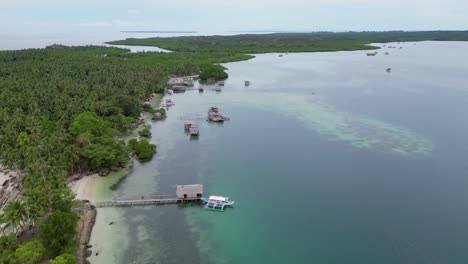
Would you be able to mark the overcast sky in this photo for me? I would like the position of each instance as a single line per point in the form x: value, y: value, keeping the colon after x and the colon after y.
x: 230, y: 15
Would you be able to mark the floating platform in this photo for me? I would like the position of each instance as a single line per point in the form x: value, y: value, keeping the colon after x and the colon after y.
x: 179, y: 89
x: 214, y: 115
x: 194, y: 131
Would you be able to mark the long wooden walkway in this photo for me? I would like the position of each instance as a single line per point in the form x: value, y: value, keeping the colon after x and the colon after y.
x: 163, y: 199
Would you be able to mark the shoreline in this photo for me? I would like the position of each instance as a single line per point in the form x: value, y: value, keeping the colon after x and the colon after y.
x: 86, y: 187
x: 92, y: 188
x: 84, y: 230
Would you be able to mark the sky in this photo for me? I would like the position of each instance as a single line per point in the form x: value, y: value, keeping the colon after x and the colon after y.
x: 229, y: 15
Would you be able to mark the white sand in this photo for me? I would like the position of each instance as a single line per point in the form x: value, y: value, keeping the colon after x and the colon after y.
x: 84, y: 187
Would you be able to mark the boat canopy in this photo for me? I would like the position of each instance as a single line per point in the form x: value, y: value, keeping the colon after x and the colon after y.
x: 219, y: 198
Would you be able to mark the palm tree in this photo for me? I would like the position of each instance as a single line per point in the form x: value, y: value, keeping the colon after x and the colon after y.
x: 16, y: 214
x: 34, y: 214
x: 36, y: 197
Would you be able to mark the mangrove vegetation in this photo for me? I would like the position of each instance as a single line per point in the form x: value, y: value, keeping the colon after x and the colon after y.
x: 290, y: 42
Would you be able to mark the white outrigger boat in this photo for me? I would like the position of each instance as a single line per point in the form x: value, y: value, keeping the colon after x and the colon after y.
x: 217, y: 202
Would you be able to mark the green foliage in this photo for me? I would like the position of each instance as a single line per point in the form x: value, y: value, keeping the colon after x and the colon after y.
x: 146, y: 132
x: 7, y: 242
x: 104, y: 153
x: 290, y: 42
x: 212, y: 72
x: 8, y: 257
x: 89, y: 122
x: 15, y: 214
x: 56, y: 103
x: 158, y: 88
x: 162, y: 111
x: 132, y: 143
x: 30, y: 252
x: 143, y: 149
x: 121, y: 123
x: 8, y: 246
x: 64, y: 259
x: 130, y: 105
x: 97, y: 149
x: 61, y: 199
x: 57, y: 232
x: 147, y: 108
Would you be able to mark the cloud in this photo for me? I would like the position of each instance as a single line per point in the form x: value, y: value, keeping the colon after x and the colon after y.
x: 133, y: 11
x: 256, y: 14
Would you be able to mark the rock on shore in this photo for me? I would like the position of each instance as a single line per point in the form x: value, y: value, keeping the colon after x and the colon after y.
x: 10, y: 189
x: 84, y: 229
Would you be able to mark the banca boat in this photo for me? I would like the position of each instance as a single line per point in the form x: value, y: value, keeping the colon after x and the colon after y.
x: 217, y: 202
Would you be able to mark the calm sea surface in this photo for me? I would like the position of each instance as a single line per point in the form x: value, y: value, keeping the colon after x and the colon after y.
x: 330, y: 159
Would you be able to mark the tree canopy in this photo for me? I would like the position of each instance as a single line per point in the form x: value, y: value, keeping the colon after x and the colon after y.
x: 30, y: 252
x: 289, y: 42
x: 64, y: 259
x: 58, y: 231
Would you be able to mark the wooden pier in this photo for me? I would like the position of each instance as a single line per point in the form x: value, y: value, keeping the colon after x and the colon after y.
x: 184, y: 193
x: 168, y: 199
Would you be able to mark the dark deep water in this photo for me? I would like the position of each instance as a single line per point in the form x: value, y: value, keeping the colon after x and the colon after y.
x: 329, y: 158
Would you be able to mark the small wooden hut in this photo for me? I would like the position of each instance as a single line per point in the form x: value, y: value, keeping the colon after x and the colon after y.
x: 192, y: 191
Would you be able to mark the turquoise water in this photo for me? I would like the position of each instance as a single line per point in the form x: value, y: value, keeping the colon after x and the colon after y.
x: 330, y: 159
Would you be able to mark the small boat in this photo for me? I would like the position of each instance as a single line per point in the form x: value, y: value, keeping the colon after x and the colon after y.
x: 169, y: 91
x: 221, y: 83
x: 389, y: 69
x: 169, y: 102
x: 281, y: 55
x: 247, y: 83
x: 217, y: 202
x: 218, y: 89
x: 200, y: 89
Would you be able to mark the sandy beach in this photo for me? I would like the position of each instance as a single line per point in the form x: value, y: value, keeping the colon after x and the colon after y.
x: 84, y: 188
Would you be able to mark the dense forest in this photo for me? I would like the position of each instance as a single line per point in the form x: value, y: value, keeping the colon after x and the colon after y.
x: 63, y: 110
x: 61, y: 107
x: 291, y: 42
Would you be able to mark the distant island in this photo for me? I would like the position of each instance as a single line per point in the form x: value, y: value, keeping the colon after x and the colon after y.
x: 291, y: 42
x: 156, y: 31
